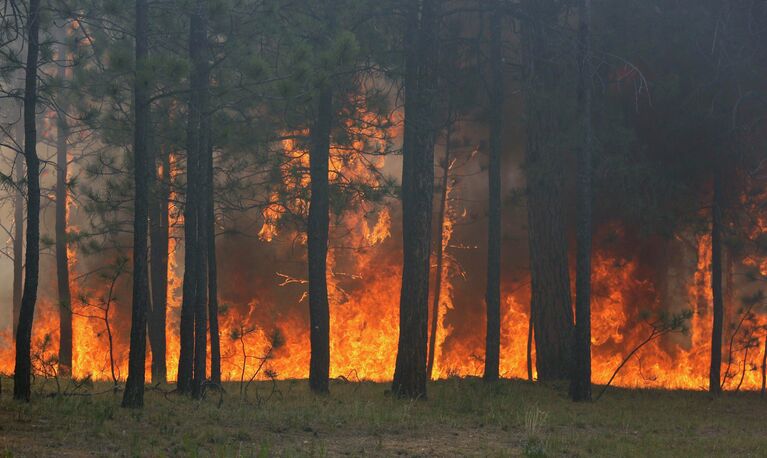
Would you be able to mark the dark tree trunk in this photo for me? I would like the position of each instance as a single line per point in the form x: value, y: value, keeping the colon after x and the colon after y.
x: 215, y: 338
x: 18, y: 239
x: 417, y: 197
x: 580, y: 385
x: 550, y: 289
x: 439, y: 255
x: 317, y: 232
x: 715, y: 376
x: 22, y: 374
x: 62, y: 258
x: 493, y: 291
x: 190, y: 375
x: 159, y: 232
x: 201, y: 304
x: 764, y: 368
x: 134, y: 386
x: 529, y: 349
x: 197, y: 187
x: 189, y: 289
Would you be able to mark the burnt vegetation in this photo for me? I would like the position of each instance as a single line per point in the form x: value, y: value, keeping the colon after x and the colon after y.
x: 207, y: 202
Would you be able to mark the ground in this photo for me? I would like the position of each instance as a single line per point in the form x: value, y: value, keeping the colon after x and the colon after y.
x: 462, y: 417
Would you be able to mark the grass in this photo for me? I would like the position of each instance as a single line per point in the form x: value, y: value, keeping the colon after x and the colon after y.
x: 462, y: 417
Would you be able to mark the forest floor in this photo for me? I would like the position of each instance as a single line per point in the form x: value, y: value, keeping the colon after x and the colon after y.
x: 462, y: 417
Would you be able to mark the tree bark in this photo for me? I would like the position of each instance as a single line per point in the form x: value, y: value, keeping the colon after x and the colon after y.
x: 159, y: 232
x: 417, y: 197
x: 134, y: 386
x: 580, y: 384
x: 715, y: 375
x: 62, y: 257
x: 439, y: 246
x: 550, y: 279
x: 493, y: 290
x: 317, y: 232
x: 215, y: 338
x: 18, y: 240
x: 22, y: 373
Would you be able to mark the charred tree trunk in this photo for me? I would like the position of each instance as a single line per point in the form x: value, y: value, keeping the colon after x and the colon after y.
x: 319, y: 208
x: 550, y: 290
x: 715, y: 374
x: 417, y: 197
x: 580, y: 384
x: 134, y: 386
x: 22, y: 373
x: 439, y: 246
x: 493, y: 291
x: 62, y: 257
x: 18, y: 240
x: 159, y: 232
x: 215, y: 338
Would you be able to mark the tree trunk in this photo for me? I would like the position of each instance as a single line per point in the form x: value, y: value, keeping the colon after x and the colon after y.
x: 215, y: 338
x: 134, y: 386
x: 550, y: 279
x: 715, y: 376
x: 22, y: 373
x: 764, y: 367
x: 439, y: 246
x: 417, y: 198
x: 493, y: 291
x: 192, y: 361
x: 62, y: 258
x: 18, y: 239
x: 317, y: 232
x: 189, y: 289
x: 198, y: 42
x: 580, y: 384
x: 159, y: 232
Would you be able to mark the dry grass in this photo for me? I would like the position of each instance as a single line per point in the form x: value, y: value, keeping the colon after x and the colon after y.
x: 461, y: 417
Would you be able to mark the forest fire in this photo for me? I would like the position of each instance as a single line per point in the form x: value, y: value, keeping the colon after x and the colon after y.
x: 383, y: 228
x: 364, y: 309
x: 634, y: 341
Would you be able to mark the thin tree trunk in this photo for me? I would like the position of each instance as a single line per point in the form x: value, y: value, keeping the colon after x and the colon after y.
x: 62, y: 258
x: 549, y: 270
x: 159, y: 232
x: 215, y: 338
x: 22, y: 373
x: 200, y: 81
x: 417, y: 198
x: 530, y: 324
x: 317, y: 231
x: 134, y: 386
x: 580, y: 384
x: 439, y: 255
x: 764, y: 367
x: 18, y: 240
x: 715, y: 375
x: 189, y: 289
x: 493, y: 291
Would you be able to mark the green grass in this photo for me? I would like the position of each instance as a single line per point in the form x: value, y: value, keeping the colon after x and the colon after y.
x: 462, y: 417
